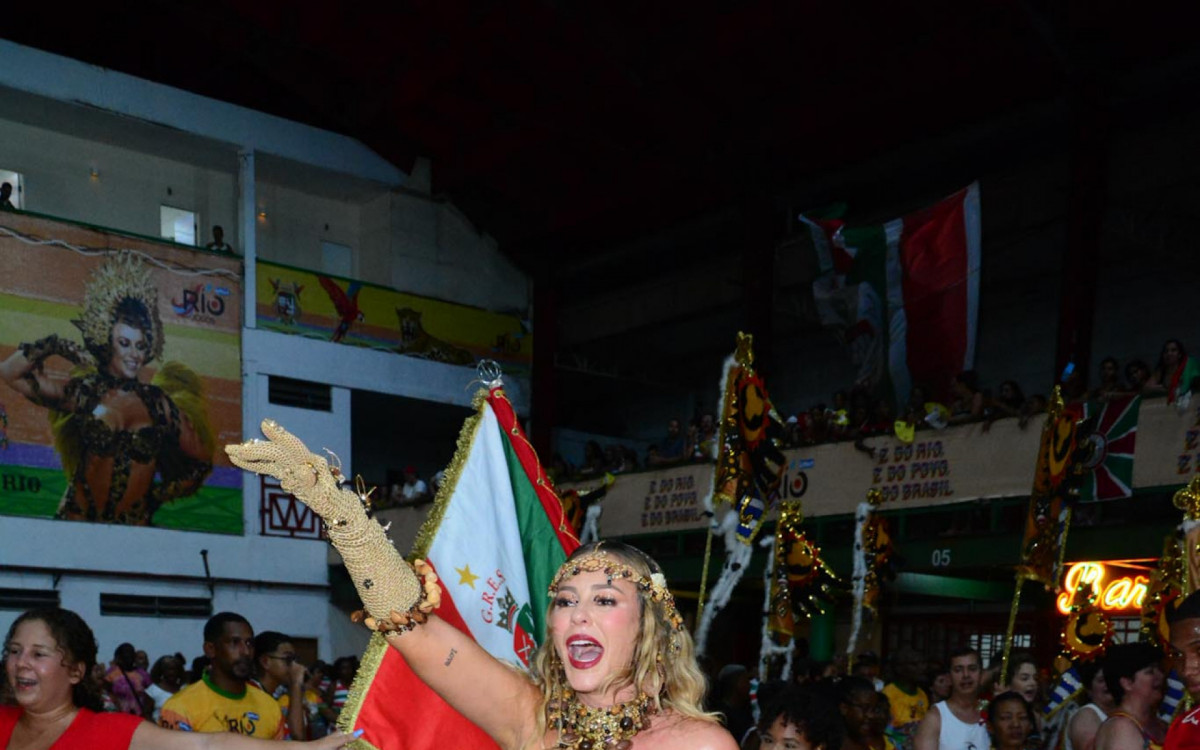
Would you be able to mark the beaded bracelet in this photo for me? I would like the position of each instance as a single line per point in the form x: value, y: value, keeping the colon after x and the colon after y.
x: 402, y: 622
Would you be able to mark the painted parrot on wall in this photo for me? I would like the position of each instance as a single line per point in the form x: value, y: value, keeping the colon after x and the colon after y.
x: 346, y: 304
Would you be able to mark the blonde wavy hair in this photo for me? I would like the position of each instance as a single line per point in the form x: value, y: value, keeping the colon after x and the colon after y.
x: 664, y: 659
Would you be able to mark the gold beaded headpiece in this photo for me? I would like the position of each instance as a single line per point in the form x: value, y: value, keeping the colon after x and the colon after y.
x: 121, y: 277
x: 653, y: 587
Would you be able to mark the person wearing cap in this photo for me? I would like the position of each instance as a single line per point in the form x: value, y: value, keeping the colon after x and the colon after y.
x: 413, y: 491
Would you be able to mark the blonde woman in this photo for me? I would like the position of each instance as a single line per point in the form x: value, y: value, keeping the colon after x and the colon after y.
x: 615, y: 671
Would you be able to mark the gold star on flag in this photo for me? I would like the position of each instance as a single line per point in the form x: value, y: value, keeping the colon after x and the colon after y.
x: 465, y: 576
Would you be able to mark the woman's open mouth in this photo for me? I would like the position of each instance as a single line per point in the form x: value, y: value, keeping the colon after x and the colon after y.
x: 583, y: 652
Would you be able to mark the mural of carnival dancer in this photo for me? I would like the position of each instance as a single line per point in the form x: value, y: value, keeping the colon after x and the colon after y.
x: 127, y: 447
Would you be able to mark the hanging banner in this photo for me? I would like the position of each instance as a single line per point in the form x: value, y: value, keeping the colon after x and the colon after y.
x: 120, y: 374
x: 1168, y: 447
x: 652, y: 502
x: 330, y: 308
x: 954, y: 465
x: 936, y: 468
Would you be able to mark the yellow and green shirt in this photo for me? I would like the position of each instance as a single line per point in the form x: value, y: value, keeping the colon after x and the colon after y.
x: 204, y: 707
x: 907, y: 708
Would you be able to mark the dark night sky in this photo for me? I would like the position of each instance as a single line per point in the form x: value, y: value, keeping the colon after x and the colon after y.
x: 581, y: 125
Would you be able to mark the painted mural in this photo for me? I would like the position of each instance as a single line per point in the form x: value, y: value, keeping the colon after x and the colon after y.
x: 331, y: 308
x: 120, y: 377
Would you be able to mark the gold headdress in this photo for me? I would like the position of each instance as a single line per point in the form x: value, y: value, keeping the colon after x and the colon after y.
x: 653, y: 587
x: 122, y: 277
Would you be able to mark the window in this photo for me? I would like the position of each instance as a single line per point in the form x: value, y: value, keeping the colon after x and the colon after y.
x: 301, y: 394
x: 155, y: 606
x: 992, y: 643
x: 178, y: 225
x: 16, y: 182
x: 28, y: 598
x: 337, y: 260
x: 1127, y: 629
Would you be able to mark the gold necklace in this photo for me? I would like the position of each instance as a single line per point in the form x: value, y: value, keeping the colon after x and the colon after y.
x: 582, y: 727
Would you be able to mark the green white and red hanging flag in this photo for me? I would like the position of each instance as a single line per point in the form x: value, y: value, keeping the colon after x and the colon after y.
x: 905, y: 293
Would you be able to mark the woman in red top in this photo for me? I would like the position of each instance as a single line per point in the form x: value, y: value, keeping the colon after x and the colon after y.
x: 47, y: 655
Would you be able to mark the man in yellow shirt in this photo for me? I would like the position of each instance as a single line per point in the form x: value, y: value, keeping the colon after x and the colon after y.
x: 909, y: 702
x: 224, y: 701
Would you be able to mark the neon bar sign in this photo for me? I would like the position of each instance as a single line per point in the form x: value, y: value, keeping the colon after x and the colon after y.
x: 1123, y: 593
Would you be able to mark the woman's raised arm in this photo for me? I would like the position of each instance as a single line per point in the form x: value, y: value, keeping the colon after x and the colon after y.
x: 498, y: 699
x: 22, y: 371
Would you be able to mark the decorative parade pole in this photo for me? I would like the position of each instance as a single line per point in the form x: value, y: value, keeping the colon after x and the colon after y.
x: 872, y: 552
x: 749, y: 476
x: 1049, y: 516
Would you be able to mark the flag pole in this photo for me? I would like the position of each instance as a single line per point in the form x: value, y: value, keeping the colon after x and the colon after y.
x: 704, y: 570
x: 723, y: 428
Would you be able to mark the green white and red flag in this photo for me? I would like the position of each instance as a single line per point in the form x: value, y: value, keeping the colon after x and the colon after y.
x: 1112, y: 436
x: 914, y: 310
x: 496, y: 535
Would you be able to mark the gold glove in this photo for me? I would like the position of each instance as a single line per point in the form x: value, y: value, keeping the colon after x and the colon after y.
x: 392, y: 592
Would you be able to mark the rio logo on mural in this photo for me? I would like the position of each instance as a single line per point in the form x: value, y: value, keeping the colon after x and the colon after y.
x: 203, y: 303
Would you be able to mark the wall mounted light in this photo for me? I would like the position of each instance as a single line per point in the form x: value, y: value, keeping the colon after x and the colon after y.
x: 94, y: 174
x: 262, y: 215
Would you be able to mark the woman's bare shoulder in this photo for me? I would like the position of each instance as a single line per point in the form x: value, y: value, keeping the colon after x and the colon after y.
x: 682, y: 733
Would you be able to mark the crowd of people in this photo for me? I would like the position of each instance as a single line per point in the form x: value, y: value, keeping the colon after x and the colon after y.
x: 859, y: 413
x: 607, y: 597
x: 239, y: 675
x: 930, y: 705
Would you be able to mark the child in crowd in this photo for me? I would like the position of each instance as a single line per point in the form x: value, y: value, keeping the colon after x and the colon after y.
x: 798, y: 718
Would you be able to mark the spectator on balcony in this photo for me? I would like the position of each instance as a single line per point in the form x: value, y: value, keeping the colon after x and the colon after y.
x: 838, y: 416
x: 560, y: 469
x: 1137, y: 375
x: 1110, y: 380
x: 6, y: 203
x: 867, y: 423
x: 671, y: 448
x: 1073, y: 388
x: 1008, y: 403
x: 706, y: 438
x: 630, y: 457
x: 413, y: 491
x: 594, y: 463
x: 1034, y: 405
x: 219, y: 244
x: 613, y: 459
x: 816, y: 429
x: 1175, y: 373
x: 967, y: 400
x: 793, y: 430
